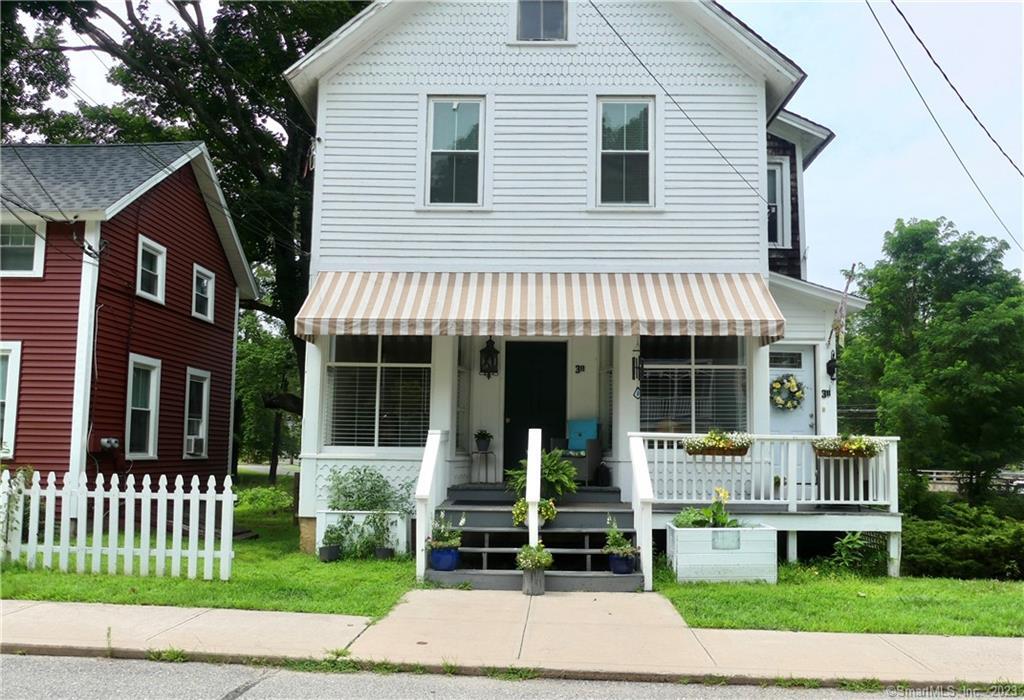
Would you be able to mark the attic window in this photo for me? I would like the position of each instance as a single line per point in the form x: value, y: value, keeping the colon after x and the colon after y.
x: 543, y: 20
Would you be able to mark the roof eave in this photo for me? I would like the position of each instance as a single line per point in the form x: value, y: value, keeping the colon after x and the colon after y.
x: 817, y: 291
x: 814, y: 137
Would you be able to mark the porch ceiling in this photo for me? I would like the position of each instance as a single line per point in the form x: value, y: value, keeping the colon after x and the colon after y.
x: 540, y: 303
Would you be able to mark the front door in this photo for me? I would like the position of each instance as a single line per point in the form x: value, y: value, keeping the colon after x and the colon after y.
x: 797, y: 360
x: 535, y: 394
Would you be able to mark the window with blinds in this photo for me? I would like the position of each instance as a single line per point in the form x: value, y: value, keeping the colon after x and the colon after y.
x: 378, y: 392
x: 692, y: 385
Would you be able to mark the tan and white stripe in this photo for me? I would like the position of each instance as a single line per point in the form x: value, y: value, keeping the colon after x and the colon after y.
x: 540, y: 303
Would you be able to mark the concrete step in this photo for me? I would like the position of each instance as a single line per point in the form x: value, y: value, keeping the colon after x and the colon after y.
x: 579, y: 516
x: 555, y: 581
x: 499, y: 494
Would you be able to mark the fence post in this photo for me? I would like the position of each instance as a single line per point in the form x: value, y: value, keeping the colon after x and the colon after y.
x: 5, y: 520
x: 226, y: 529
x: 65, y: 520
x: 193, y: 526
x: 161, y: 525
x: 113, y: 528
x: 97, y: 524
x: 179, y: 495
x: 33, y: 521
x: 51, y: 497
x: 81, y: 518
x: 145, y: 498
x: 129, y: 524
x: 210, y: 527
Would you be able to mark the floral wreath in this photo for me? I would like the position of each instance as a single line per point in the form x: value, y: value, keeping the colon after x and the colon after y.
x: 786, y: 392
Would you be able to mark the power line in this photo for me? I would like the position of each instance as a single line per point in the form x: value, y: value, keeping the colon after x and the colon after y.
x: 38, y: 182
x: 678, y: 106
x: 954, y: 89
x: 939, y: 126
x: 32, y: 228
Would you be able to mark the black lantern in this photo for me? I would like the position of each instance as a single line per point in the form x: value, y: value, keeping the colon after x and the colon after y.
x: 489, y: 359
x: 832, y: 367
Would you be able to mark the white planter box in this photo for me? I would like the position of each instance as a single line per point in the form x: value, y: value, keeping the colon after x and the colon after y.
x: 723, y: 554
x: 399, y: 525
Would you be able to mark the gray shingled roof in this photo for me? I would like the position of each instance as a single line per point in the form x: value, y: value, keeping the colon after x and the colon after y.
x: 87, y: 177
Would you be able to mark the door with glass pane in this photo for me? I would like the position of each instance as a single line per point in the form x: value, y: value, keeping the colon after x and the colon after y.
x: 797, y: 360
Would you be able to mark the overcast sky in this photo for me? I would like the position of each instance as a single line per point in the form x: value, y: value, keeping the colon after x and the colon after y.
x: 888, y: 160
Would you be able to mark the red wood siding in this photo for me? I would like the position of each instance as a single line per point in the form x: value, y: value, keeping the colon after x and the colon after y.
x: 174, y: 214
x: 42, y: 312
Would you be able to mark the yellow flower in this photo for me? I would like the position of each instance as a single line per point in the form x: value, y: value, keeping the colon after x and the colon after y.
x: 776, y: 385
x: 721, y: 494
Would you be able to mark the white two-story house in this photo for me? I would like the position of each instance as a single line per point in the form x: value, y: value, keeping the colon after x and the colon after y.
x: 570, y: 216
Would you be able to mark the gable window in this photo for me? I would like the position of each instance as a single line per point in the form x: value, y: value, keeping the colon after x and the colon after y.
x: 202, y: 293
x: 10, y: 366
x: 22, y: 249
x: 197, y: 412
x: 693, y: 384
x: 455, y: 173
x: 143, y: 407
x: 543, y: 20
x: 626, y: 171
x: 378, y: 391
x: 777, y: 186
x: 151, y: 276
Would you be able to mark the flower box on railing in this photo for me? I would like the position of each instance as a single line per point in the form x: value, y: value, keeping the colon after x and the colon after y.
x: 857, y: 446
x: 717, y: 444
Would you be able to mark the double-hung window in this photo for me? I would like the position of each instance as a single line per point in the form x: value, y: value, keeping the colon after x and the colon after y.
x: 455, y: 173
x: 777, y: 191
x: 202, y: 293
x: 542, y: 20
x: 22, y: 248
x: 143, y: 407
x: 626, y: 173
x: 197, y: 412
x: 151, y: 274
x: 693, y: 384
x: 378, y: 391
x: 10, y: 366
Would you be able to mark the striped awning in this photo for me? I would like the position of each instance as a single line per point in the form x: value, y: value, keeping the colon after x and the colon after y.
x: 539, y: 303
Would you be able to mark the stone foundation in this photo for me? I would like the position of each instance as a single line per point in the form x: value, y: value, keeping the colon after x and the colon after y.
x: 307, y: 535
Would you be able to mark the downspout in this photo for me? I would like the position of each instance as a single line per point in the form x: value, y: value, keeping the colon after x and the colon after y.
x: 85, y: 344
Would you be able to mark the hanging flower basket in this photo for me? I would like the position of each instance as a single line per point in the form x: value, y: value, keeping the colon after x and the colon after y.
x: 847, y: 446
x: 717, y: 443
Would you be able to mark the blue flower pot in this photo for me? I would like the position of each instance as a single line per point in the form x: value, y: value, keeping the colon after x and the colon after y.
x: 620, y: 565
x: 444, y: 559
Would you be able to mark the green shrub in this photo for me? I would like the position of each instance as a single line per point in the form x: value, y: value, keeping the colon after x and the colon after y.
x: 854, y: 552
x: 557, y: 475
x: 533, y: 558
x: 964, y: 542
x: 366, y: 489
x: 1007, y: 504
x: 264, y: 499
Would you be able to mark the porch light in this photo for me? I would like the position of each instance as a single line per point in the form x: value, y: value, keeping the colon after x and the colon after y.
x: 489, y: 359
x: 832, y: 367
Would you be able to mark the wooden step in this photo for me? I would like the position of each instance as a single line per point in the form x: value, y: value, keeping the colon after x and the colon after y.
x: 554, y: 581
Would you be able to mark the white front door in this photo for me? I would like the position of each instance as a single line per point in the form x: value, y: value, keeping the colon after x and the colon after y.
x: 797, y: 360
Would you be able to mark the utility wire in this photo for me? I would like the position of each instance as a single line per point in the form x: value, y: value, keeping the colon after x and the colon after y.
x: 954, y: 89
x: 32, y: 228
x: 676, y: 103
x: 38, y: 182
x: 939, y: 126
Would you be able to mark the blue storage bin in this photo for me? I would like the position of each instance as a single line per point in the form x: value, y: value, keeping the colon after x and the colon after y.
x: 580, y: 431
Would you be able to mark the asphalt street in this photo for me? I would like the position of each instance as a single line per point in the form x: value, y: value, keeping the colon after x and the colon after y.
x: 86, y: 678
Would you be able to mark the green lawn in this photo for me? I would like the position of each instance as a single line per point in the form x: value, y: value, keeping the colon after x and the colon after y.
x: 808, y: 598
x: 269, y: 573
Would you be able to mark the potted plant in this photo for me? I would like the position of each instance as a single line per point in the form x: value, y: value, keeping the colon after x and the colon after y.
x: 444, y: 542
x: 378, y: 525
x: 533, y: 561
x: 483, y: 440
x: 557, y: 475
x: 718, y: 443
x: 847, y: 446
x: 546, y: 511
x: 621, y: 552
x: 331, y: 543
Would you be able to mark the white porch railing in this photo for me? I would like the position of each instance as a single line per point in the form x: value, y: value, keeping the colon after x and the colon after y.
x: 533, y: 469
x: 777, y: 470
x: 431, y: 490
x: 642, y: 498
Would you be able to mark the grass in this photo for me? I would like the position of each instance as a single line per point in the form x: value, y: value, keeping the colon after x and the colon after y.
x: 268, y: 573
x: 512, y: 673
x: 811, y: 599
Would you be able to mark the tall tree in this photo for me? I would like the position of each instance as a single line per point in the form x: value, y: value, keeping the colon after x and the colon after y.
x: 940, y: 351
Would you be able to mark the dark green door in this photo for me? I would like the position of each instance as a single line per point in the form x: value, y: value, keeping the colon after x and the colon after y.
x: 535, y: 395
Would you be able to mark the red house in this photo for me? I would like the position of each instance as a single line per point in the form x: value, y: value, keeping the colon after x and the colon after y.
x: 120, y: 278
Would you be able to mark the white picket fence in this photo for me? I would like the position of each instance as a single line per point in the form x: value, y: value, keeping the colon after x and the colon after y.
x: 135, y: 539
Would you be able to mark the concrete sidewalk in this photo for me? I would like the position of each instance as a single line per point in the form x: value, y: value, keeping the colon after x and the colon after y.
x: 585, y: 635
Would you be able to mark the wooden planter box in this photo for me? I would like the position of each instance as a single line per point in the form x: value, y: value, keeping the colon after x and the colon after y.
x: 723, y: 554
x: 845, y: 454
x: 399, y: 525
x: 720, y: 452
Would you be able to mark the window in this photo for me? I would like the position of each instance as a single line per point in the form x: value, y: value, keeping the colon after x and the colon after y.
x: 143, y: 407
x: 693, y: 384
x: 202, y: 293
x: 455, y: 173
x: 22, y: 249
x: 778, y: 203
x: 625, y: 151
x: 785, y: 360
x: 543, y: 20
x: 378, y: 391
x: 10, y: 367
x: 152, y: 270
x: 197, y: 412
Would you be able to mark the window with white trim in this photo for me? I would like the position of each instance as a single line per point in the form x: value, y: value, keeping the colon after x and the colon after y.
x: 693, y: 384
x: 22, y: 250
x: 10, y: 369
x: 151, y: 275
x: 202, y: 292
x: 378, y: 391
x: 543, y: 20
x: 777, y: 190
x: 197, y: 413
x: 143, y: 417
x: 455, y: 174
x: 626, y: 175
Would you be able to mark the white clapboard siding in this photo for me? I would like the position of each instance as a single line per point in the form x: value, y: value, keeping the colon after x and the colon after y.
x: 123, y: 529
x: 539, y: 147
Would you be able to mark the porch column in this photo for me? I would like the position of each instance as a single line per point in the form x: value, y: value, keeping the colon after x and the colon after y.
x: 626, y: 411
x: 760, y: 398
x: 791, y: 545
x: 442, y: 387
x: 312, y: 411
x: 895, y: 553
